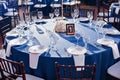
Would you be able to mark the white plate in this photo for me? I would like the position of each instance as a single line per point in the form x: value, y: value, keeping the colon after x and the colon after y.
x: 18, y: 41
x: 12, y: 33
x: 83, y: 19
x: 105, y: 41
x: 37, y: 49
x: 111, y: 31
x: 76, y: 50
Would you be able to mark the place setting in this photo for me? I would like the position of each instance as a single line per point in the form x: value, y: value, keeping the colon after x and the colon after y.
x: 34, y: 52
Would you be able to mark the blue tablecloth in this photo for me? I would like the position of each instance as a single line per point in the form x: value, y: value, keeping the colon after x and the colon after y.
x: 100, y: 55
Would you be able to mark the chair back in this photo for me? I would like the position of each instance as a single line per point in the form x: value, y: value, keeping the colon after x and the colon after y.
x: 70, y: 72
x: 5, y: 26
x: 12, y: 68
x: 85, y: 10
x: 12, y: 4
x: 106, y: 11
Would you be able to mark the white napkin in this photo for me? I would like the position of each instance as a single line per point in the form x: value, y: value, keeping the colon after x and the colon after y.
x: 112, y: 44
x: 79, y: 60
x: 78, y: 55
x: 115, y: 50
x: 10, y: 44
x: 35, y: 52
x: 117, y: 10
x: 5, y: 7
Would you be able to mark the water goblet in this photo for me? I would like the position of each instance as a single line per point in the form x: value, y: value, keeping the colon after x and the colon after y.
x: 73, y: 16
x: 56, y: 12
x: 77, y: 36
x: 90, y: 17
x: 27, y: 18
x: 29, y: 37
x: 76, y: 14
x: 40, y: 14
x: 51, y: 15
x: 86, y: 40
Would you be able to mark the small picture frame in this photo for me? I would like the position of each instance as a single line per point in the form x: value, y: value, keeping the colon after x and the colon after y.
x: 70, y: 29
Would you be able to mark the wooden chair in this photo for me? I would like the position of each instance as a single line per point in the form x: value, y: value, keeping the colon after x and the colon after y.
x: 84, y: 10
x: 114, y: 71
x: 5, y: 26
x: 12, y: 11
x: 70, y: 72
x: 15, y: 70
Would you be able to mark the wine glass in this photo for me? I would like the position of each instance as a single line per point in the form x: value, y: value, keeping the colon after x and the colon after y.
x: 40, y: 14
x: 30, y: 37
x: 86, y: 39
x: 27, y: 18
x: 119, y: 2
x: 76, y: 13
x: 73, y: 16
x: 77, y: 36
x: 51, y: 15
x: 90, y: 17
x: 56, y: 12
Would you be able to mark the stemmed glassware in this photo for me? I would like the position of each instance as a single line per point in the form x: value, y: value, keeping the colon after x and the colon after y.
x: 76, y: 13
x: 86, y: 39
x: 27, y: 18
x: 119, y: 2
x: 90, y: 17
x: 29, y: 37
x: 53, y: 41
x: 73, y: 16
x: 56, y: 12
x: 51, y: 15
x: 40, y: 15
x: 77, y: 36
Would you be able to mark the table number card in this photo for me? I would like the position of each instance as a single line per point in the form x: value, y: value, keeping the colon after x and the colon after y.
x: 70, y: 29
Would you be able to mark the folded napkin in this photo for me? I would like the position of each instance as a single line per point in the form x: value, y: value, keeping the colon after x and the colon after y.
x: 61, y: 26
x: 115, y: 50
x: 117, y: 10
x: 12, y: 33
x: 35, y: 52
x: 14, y: 42
x: 5, y: 7
x: 78, y: 55
x: 112, y: 44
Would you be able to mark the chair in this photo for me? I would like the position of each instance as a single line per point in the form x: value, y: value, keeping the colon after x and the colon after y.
x: 114, y: 71
x: 12, y: 11
x: 5, y: 26
x: 70, y: 72
x: 84, y: 10
x: 15, y: 70
x: 69, y: 5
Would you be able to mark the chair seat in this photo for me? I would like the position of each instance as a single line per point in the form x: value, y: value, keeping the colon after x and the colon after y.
x: 55, y: 5
x: 40, y: 5
x: 11, y: 14
x: 100, y: 14
x: 30, y: 77
x: 114, y: 70
x: 111, y: 20
x: 71, y: 3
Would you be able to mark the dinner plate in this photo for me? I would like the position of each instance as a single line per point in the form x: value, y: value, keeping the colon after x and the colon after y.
x: 84, y: 19
x: 76, y: 50
x: 18, y: 41
x: 105, y: 41
x: 12, y: 33
x: 111, y: 31
x: 37, y: 49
